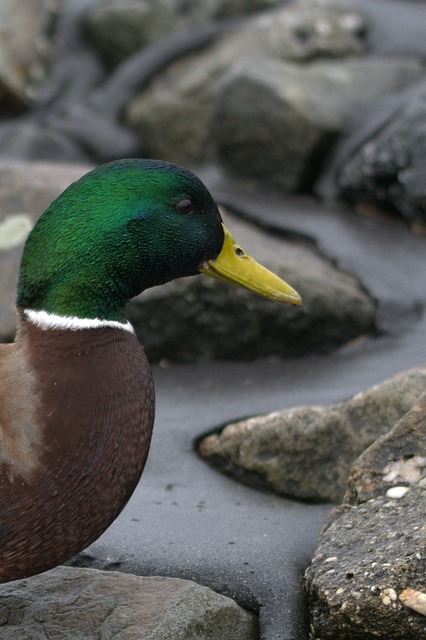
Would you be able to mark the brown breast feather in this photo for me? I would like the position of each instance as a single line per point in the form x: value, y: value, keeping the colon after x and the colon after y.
x: 76, y: 416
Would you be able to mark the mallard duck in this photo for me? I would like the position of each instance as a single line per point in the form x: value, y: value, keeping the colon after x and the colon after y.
x: 76, y: 395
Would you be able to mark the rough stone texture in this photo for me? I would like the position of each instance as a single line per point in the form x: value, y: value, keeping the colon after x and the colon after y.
x: 85, y: 604
x: 26, y: 190
x: 184, y: 96
x: 398, y: 457
x: 367, y: 579
x: 307, y: 452
x: 198, y: 317
x: 274, y: 121
x: 387, y: 168
x: 119, y: 28
x: 23, y: 49
x: 367, y: 557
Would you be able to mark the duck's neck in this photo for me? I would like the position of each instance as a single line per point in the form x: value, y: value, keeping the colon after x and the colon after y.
x: 76, y: 289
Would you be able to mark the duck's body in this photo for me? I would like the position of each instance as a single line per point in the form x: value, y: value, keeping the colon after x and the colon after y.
x: 76, y: 392
x: 76, y: 434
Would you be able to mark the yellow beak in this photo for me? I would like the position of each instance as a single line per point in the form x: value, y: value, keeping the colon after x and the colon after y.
x: 235, y: 267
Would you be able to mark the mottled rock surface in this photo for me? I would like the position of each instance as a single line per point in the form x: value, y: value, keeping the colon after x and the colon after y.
x: 371, y: 558
x: 387, y: 168
x: 307, y: 452
x: 23, y: 49
x: 397, y: 458
x: 275, y: 121
x: 85, y: 604
x: 184, y: 96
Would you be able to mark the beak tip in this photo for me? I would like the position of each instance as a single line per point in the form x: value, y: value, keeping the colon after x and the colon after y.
x: 293, y: 298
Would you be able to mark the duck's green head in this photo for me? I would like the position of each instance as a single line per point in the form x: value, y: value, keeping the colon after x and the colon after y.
x: 126, y: 226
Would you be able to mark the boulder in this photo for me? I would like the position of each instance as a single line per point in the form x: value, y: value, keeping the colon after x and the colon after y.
x: 385, y: 163
x: 396, y: 459
x: 367, y: 579
x: 85, y: 604
x: 307, y: 452
x: 200, y: 318
x: 172, y: 117
x: 55, y: 128
x: 274, y: 122
x: 24, y: 48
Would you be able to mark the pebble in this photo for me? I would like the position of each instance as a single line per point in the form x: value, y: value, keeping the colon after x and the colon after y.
x: 397, y: 492
x: 414, y: 599
x: 389, y: 596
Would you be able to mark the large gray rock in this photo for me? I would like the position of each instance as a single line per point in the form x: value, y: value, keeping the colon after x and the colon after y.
x: 307, y: 452
x: 199, y: 317
x: 274, y: 121
x: 172, y: 117
x: 23, y: 49
x: 385, y: 164
x: 367, y: 579
x: 85, y: 604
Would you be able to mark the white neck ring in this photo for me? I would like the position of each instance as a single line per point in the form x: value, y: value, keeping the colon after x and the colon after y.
x: 44, y: 320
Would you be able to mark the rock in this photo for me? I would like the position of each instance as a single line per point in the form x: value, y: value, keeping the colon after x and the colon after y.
x: 307, y: 452
x: 26, y: 141
x: 119, y: 28
x: 367, y: 578
x: 367, y: 558
x: 26, y: 190
x: 199, y: 318
x: 385, y: 162
x: 172, y: 117
x: 23, y: 50
x: 274, y: 121
x: 56, y: 126
x: 85, y: 604
x: 396, y: 458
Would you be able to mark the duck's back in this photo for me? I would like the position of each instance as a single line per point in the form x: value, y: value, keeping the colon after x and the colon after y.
x: 76, y: 416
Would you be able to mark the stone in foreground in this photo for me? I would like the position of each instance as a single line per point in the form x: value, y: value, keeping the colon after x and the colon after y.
x: 306, y: 452
x: 85, y: 604
x: 368, y: 577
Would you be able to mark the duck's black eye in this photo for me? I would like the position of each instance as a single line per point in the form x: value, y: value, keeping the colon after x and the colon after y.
x: 185, y: 205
